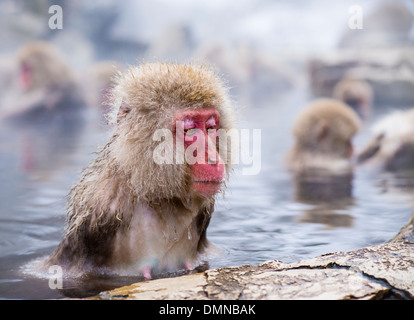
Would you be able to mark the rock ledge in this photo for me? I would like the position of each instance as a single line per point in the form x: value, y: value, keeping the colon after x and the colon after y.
x: 377, y: 272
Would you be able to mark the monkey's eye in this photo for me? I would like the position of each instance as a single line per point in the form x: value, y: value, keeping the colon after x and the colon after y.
x: 190, y: 131
x: 211, y: 126
x: 189, y: 127
x: 211, y: 129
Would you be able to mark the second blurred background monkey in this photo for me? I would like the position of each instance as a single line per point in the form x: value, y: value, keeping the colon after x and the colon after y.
x: 323, y: 134
x: 391, y: 146
x: 49, y: 89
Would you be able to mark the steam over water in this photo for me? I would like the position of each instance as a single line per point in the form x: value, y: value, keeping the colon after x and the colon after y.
x: 261, y: 49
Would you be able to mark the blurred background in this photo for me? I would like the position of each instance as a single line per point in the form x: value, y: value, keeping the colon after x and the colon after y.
x: 276, y: 56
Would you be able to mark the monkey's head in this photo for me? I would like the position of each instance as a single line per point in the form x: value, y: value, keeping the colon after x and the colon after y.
x: 326, y: 127
x: 355, y: 93
x: 42, y: 66
x: 171, y: 112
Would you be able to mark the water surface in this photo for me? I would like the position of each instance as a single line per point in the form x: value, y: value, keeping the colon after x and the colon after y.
x: 262, y: 217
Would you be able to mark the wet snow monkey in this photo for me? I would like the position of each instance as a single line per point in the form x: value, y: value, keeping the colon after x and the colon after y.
x: 130, y: 214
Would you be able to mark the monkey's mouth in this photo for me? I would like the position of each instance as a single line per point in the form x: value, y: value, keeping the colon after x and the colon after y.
x: 207, y: 187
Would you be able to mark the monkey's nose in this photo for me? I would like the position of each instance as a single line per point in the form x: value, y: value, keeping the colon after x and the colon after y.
x: 211, y: 160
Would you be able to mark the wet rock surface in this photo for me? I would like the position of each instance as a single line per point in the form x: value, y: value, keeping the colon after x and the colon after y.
x: 384, y: 271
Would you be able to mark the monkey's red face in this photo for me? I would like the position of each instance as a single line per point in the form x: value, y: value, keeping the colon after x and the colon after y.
x: 197, y: 130
x: 25, y: 76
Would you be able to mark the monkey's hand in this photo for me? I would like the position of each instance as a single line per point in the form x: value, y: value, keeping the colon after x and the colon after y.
x: 146, y: 272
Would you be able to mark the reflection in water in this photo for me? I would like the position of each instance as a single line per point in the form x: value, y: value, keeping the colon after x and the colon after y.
x: 328, y: 194
x: 31, y: 154
x: 316, y: 189
x: 43, y: 149
x: 326, y: 215
x: 35, y: 148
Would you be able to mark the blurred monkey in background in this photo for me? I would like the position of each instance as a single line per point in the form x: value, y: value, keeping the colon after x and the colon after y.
x: 357, y: 94
x: 321, y: 163
x: 48, y: 86
x: 323, y: 134
x: 391, y: 147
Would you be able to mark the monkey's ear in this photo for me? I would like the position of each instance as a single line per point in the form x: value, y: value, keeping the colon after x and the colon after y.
x: 123, y: 111
x: 323, y: 131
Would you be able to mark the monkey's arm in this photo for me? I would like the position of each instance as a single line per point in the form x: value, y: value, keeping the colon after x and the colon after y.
x: 202, y: 221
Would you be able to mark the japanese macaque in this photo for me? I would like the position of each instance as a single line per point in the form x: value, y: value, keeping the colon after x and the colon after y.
x: 323, y: 132
x: 321, y: 162
x: 392, y: 146
x: 355, y: 93
x: 132, y: 215
x: 47, y: 84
